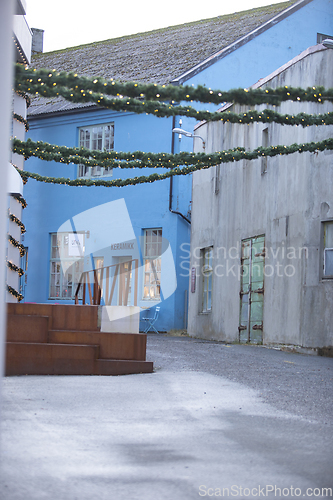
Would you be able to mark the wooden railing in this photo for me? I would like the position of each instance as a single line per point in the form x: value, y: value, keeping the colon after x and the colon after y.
x: 96, y: 283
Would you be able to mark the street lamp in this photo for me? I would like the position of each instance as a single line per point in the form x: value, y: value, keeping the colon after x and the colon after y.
x: 328, y: 43
x: 180, y: 131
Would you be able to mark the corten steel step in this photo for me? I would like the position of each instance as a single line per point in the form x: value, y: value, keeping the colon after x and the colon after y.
x: 50, y: 339
x: 112, y: 345
x: 61, y: 316
x: 66, y: 359
x: 24, y: 328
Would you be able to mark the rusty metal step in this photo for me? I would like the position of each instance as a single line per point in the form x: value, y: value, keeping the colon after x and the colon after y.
x: 124, y: 346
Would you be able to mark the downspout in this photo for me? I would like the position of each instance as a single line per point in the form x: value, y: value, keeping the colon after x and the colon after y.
x: 171, y: 178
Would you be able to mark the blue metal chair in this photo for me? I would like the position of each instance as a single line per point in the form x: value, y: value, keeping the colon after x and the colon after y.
x: 151, y: 320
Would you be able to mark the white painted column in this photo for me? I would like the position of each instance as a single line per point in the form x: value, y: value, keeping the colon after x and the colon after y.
x: 6, y: 65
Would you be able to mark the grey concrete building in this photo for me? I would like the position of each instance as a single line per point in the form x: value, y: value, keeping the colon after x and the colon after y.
x: 261, y: 265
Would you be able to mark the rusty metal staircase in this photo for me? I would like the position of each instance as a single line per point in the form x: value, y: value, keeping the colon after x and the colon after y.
x: 55, y: 339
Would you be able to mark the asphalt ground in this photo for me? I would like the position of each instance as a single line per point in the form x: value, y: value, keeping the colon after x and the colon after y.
x: 213, y: 420
x: 297, y: 383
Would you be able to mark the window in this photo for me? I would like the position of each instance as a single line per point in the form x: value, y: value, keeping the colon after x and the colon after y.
x: 100, y: 138
x: 207, y: 278
x: 328, y: 250
x: 152, y: 264
x: 264, y: 145
x: 66, y: 264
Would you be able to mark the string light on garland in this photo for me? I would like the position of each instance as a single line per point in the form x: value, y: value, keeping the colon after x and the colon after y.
x: 16, y: 244
x: 201, y: 162
x: 19, y: 198
x: 17, y: 221
x: 139, y: 159
x: 20, y: 119
x: 14, y: 267
x: 15, y: 293
x: 25, y: 96
x: 152, y: 92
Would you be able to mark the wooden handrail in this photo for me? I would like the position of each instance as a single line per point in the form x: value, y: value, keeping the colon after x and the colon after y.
x: 100, y: 288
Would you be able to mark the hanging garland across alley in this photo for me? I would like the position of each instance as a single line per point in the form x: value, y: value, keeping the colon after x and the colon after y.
x: 138, y: 100
x: 139, y: 159
x: 32, y: 80
x: 209, y: 161
x: 161, y: 109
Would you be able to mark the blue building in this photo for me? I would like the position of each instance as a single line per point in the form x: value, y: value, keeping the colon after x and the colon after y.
x: 71, y: 230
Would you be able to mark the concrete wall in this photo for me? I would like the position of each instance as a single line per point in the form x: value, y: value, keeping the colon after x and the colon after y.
x: 287, y: 204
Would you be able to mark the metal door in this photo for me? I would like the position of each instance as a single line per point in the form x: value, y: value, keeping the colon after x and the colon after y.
x: 252, y: 290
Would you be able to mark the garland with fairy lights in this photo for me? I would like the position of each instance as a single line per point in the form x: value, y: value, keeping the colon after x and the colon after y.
x: 42, y: 79
x: 139, y: 159
x: 20, y: 119
x: 16, y: 244
x: 25, y: 97
x: 207, y: 161
x: 162, y: 110
x: 19, y: 198
x: 17, y: 221
x: 15, y: 293
x: 14, y: 267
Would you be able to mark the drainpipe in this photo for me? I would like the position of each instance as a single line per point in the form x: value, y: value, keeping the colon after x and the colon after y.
x: 171, y: 178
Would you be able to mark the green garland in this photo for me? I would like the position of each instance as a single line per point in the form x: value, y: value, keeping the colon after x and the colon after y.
x: 25, y: 96
x: 44, y: 78
x: 161, y: 110
x: 139, y: 159
x: 16, y: 244
x: 17, y: 221
x: 20, y: 200
x: 20, y: 119
x: 206, y: 161
x: 15, y: 293
x: 14, y: 267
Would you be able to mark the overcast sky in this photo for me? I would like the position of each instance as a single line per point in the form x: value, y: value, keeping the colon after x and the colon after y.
x: 74, y: 22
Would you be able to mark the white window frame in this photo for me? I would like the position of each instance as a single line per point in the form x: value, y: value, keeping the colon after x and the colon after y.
x: 88, y: 140
x: 152, y: 262
x: 207, y: 279
x: 325, y: 249
x: 60, y: 263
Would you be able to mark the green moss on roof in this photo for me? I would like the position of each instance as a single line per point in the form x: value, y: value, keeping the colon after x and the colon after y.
x: 161, y: 55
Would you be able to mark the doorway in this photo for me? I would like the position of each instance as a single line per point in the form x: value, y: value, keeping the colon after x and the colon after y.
x: 252, y: 290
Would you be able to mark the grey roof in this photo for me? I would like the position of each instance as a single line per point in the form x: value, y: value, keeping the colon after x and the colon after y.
x: 161, y: 56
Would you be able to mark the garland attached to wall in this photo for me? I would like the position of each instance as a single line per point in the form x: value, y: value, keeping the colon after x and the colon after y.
x: 207, y: 162
x: 15, y: 293
x: 14, y: 267
x: 20, y: 119
x: 19, y: 198
x: 25, y: 96
x: 17, y: 221
x: 16, y: 244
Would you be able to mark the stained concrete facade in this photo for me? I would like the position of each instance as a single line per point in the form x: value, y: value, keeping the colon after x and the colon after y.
x: 286, y: 200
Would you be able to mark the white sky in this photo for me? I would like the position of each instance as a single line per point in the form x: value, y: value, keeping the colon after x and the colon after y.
x: 74, y: 22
